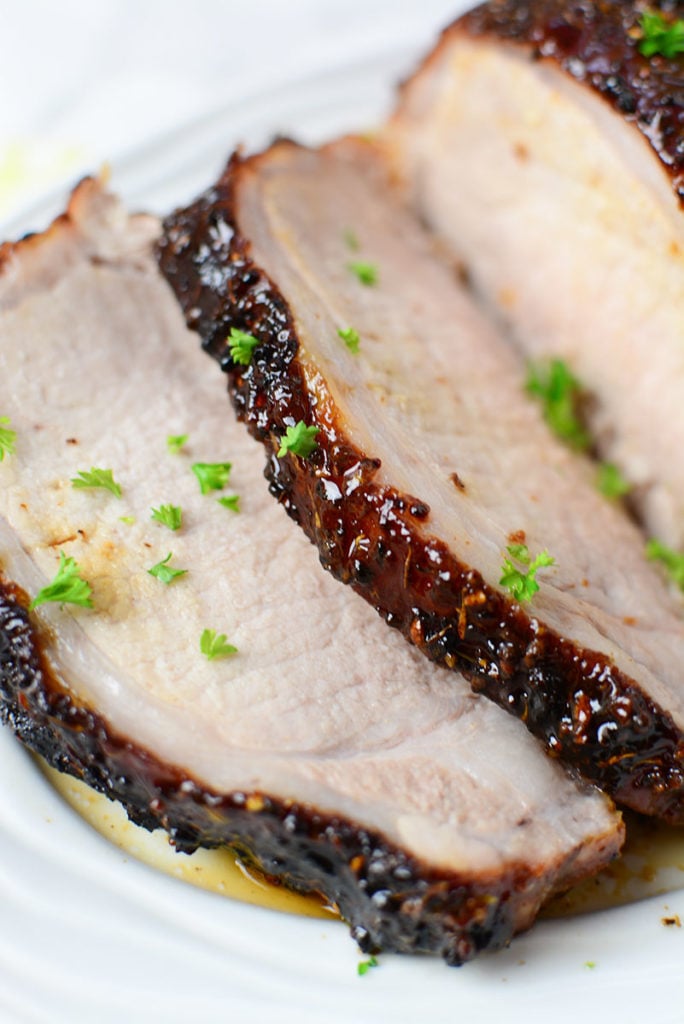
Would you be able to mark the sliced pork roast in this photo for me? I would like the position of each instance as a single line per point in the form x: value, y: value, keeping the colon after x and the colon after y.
x: 324, y: 749
x: 430, y: 461
x: 548, y: 152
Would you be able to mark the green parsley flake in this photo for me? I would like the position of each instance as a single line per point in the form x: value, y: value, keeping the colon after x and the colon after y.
x: 590, y: 964
x: 351, y: 338
x: 174, y: 442
x: 611, y: 482
x: 522, y: 583
x: 97, y: 478
x: 168, y: 515
x: 128, y: 520
x: 365, y: 966
x: 351, y: 240
x: 241, y: 346
x: 163, y: 571
x: 214, y: 645
x: 300, y: 440
x: 8, y: 438
x: 231, y: 501
x: 212, y: 476
x: 367, y: 273
x: 659, y: 36
x: 559, y: 393
x: 672, y: 560
x: 68, y: 586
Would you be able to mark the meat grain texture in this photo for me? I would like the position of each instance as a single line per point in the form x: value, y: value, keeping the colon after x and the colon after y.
x: 431, y: 460
x: 325, y: 750
x: 547, y: 152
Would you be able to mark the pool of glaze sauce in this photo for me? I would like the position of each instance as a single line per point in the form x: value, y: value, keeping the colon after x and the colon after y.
x: 651, y: 864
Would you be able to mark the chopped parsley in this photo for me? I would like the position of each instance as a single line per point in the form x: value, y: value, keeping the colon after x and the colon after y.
x: 522, y: 583
x: 300, y: 440
x: 672, y: 560
x: 559, y: 393
x: 68, y: 586
x: 351, y: 338
x: 611, y: 482
x: 97, y: 478
x: 174, y: 442
x: 367, y: 273
x: 241, y: 346
x: 128, y: 520
x: 212, y: 476
x: 168, y: 515
x: 231, y: 501
x: 659, y: 36
x: 590, y: 964
x: 214, y: 645
x: 163, y: 571
x: 8, y: 438
x: 365, y: 966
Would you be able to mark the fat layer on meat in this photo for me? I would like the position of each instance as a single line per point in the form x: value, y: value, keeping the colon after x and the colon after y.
x: 431, y: 460
x: 542, y: 147
x: 332, y: 753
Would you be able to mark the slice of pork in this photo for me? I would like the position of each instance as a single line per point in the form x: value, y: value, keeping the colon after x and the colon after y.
x: 548, y: 153
x: 431, y: 460
x: 325, y: 749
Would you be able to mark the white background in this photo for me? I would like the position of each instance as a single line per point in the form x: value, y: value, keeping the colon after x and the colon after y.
x: 83, y: 82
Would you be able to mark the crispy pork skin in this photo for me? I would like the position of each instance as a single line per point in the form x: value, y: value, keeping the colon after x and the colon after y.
x: 548, y: 153
x: 325, y: 749
x: 431, y: 460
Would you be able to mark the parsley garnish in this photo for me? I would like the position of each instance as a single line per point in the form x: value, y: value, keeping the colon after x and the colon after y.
x: 128, y: 520
x: 365, y: 966
x: 212, y: 476
x: 367, y: 273
x: 300, y: 440
x: 68, y: 587
x: 163, y: 571
x: 215, y: 645
x: 241, y: 346
x: 231, y: 501
x: 672, y: 560
x: 559, y: 393
x: 8, y: 439
x: 351, y: 338
x: 97, y: 478
x: 611, y: 482
x: 522, y: 583
x: 660, y: 36
x: 168, y: 515
x: 174, y: 442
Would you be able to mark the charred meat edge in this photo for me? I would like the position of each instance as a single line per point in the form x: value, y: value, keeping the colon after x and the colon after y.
x: 391, y: 900
x: 587, y: 712
x: 598, y: 44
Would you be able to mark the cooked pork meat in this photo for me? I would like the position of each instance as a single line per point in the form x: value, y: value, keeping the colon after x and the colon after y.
x: 549, y: 154
x: 324, y: 749
x: 430, y: 460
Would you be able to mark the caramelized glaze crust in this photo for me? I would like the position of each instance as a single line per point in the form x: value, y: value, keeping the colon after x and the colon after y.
x: 390, y: 900
x: 586, y: 711
x: 598, y: 44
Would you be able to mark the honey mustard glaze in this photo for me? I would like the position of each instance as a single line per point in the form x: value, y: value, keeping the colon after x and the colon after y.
x: 219, y: 871
x: 652, y: 862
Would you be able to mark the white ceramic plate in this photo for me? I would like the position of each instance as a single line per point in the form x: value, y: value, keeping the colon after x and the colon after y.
x: 89, y: 935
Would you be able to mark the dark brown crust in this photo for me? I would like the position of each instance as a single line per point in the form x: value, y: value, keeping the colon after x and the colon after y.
x: 598, y: 43
x: 585, y: 710
x: 392, y: 902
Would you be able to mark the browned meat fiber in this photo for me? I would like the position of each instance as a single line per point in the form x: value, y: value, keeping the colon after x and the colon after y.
x: 324, y: 748
x: 547, y: 151
x: 430, y: 460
